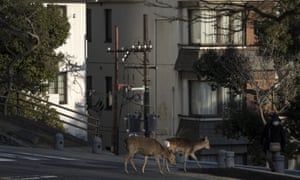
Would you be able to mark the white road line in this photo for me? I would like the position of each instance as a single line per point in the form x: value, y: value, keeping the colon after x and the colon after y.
x: 6, y: 159
x: 7, y: 156
x: 33, y: 177
x: 48, y: 156
x: 16, y: 156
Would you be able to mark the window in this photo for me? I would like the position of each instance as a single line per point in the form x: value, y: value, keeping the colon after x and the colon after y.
x: 108, y: 82
x: 108, y: 25
x: 89, y: 88
x: 59, y: 86
x: 210, y: 27
x: 89, y: 25
x: 206, y: 98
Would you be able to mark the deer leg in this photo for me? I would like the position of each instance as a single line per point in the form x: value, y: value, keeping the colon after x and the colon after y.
x: 195, y: 158
x: 130, y: 158
x: 126, y: 157
x: 158, y: 164
x: 185, y: 159
x: 145, y: 162
x: 132, y: 164
x: 165, y: 163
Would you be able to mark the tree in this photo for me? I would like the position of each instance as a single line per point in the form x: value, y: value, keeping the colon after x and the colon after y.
x: 30, y: 34
x: 276, y: 25
x: 278, y: 51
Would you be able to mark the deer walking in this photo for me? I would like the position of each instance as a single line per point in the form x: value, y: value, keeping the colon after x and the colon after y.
x: 187, y: 147
x: 147, y: 146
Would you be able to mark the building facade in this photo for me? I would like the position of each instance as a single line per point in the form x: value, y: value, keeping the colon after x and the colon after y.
x: 180, y: 104
x: 68, y: 91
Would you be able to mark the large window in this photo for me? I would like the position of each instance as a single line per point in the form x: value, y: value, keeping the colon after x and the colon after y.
x: 206, y: 98
x: 89, y: 25
x: 108, y: 25
x: 59, y: 86
x: 210, y: 27
x: 109, y: 85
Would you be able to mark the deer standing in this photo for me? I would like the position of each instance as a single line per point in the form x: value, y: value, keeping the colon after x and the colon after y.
x: 147, y: 146
x: 187, y: 147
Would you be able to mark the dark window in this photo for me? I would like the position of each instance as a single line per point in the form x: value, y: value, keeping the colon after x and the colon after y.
x: 108, y: 25
x: 59, y: 86
x: 89, y: 25
x: 89, y: 88
x: 108, y: 83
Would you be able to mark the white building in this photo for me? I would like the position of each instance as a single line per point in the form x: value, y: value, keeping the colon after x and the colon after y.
x: 69, y: 91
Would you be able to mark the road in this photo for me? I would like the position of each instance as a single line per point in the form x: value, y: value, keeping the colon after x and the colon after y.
x: 36, y: 163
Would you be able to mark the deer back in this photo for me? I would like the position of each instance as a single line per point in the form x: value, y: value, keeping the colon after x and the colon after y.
x: 143, y: 145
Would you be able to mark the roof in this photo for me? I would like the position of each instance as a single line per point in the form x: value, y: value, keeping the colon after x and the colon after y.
x: 186, y: 59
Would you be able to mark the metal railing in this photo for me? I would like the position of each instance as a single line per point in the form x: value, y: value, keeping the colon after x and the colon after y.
x: 16, y: 106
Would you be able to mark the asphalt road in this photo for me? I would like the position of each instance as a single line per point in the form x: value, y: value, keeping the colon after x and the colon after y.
x: 32, y: 163
x: 20, y: 163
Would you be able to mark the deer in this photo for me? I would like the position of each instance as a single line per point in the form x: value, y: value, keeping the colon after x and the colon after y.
x: 147, y: 146
x: 187, y: 147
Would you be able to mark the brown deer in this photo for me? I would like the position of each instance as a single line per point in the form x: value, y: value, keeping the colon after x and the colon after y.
x: 187, y: 147
x: 147, y: 146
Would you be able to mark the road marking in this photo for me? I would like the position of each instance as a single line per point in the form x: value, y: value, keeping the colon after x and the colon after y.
x: 48, y: 156
x: 13, y: 156
x: 6, y: 159
x: 33, y: 177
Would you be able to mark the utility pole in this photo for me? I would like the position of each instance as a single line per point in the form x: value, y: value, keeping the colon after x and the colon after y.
x: 144, y: 48
x: 115, y: 133
x: 146, y: 80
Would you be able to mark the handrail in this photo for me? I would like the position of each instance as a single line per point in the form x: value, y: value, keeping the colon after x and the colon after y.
x: 53, y: 104
x: 88, y: 124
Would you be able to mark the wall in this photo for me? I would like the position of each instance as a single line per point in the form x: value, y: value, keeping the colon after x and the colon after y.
x: 75, y: 47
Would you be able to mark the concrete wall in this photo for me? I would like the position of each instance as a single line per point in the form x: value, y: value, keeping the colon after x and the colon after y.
x: 75, y: 47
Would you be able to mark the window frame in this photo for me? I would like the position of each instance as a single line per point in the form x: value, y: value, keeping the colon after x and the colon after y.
x: 62, y: 91
x: 217, y: 28
x: 108, y: 25
x: 221, y: 103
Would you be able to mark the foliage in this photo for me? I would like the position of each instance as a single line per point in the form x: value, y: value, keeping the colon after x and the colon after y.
x: 239, y: 124
x: 278, y: 42
x: 35, y: 110
x: 30, y: 33
x: 227, y: 68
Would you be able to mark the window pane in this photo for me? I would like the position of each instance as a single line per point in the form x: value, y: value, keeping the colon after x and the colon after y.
x: 89, y: 25
x: 62, y: 89
x: 224, y: 29
x: 108, y: 81
x: 212, y: 27
x: 203, y: 98
x: 238, y: 28
x: 203, y: 26
x: 53, y: 87
x: 108, y: 25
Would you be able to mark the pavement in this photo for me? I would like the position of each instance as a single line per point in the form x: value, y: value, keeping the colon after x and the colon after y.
x: 210, y: 170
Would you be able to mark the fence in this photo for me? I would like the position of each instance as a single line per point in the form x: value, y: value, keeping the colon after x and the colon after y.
x: 17, y: 104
